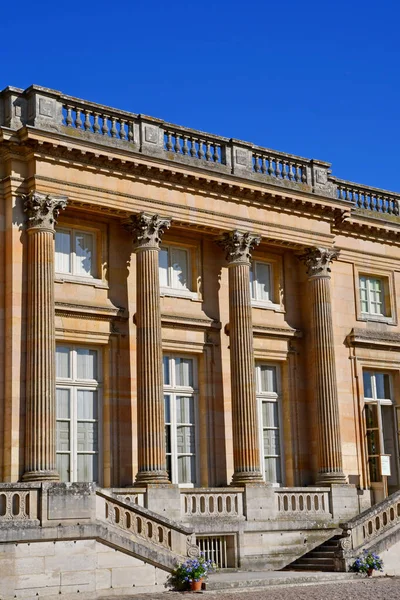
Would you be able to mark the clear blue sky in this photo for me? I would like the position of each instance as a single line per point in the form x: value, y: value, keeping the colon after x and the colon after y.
x: 318, y: 79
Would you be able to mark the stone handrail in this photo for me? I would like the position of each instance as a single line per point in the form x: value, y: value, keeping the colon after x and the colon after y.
x: 49, y: 109
x: 298, y: 502
x: 19, y: 502
x: 134, y: 496
x: 208, y: 503
x: 372, y: 523
x: 144, y: 524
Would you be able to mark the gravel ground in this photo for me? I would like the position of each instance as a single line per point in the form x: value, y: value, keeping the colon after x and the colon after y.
x: 377, y: 588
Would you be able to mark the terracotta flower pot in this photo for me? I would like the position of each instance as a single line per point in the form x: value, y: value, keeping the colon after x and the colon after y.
x: 195, y: 586
x: 369, y: 572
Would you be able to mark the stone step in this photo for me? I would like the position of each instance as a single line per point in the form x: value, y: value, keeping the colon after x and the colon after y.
x: 320, y: 553
x: 261, y: 579
x: 314, y: 560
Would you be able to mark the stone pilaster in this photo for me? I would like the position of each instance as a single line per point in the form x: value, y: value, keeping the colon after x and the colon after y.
x: 147, y: 231
x: 330, y: 468
x: 40, y: 438
x: 246, y: 444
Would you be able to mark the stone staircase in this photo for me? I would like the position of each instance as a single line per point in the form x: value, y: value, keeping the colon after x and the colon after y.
x: 321, y: 558
x: 377, y: 529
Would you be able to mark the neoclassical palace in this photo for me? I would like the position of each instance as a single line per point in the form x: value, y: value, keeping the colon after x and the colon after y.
x: 200, y: 352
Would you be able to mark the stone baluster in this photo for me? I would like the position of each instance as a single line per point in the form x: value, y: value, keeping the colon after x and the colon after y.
x: 147, y: 231
x: 246, y: 444
x: 330, y: 468
x: 40, y: 437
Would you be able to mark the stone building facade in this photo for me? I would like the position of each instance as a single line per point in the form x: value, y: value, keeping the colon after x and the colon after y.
x: 199, y: 326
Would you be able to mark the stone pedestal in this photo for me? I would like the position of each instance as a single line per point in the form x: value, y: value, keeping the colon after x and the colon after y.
x: 147, y: 231
x: 40, y: 441
x: 246, y: 444
x: 330, y: 466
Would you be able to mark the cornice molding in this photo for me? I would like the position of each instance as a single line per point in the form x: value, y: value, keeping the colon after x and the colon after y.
x: 177, y: 321
x: 387, y: 340
x: 85, y: 311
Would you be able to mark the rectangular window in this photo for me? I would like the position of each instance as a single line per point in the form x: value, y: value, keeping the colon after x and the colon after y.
x: 269, y: 416
x: 260, y: 282
x: 77, y: 413
x: 180, y: 398
x: 372, y: 295
x: 381, y: 424
x: 74, y: 252
x: 175, y: 271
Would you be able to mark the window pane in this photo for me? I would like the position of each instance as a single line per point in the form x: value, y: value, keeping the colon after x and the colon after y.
x: 166, y: 362
x: 272, y: 468
x: 367, y: 384
x: 63, y: 252
x: 87, y: 467
x: 184, y: 372
x: 163, y: 266
x: 87, y: 440
x: 374, y: 470
x: 63, y: 467
x: 167, y: 408
x: 185, y: 440
x: 83, y: 253
x: 270, y: 414
x: 168, y: 439
x: 252, y: 282
x: 63, y: 436
x: 63, y: 403
x: 373, y: 442
x: 271, y: 442
x: 87, y: 405
x: 186, y: 469
x: 63, y: 362
x: 184, y: 409
x: 179, y: 268
x: 371, y: 416
x: 263, y: 281
x: 382, y: 386
x: 86, y: 363
x: 267, y: 378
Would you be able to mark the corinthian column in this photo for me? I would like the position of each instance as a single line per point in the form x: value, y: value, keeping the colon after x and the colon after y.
x: 40, y: 437
x: 147, y: 231
x: 246, y: 445
x: 330, y: 468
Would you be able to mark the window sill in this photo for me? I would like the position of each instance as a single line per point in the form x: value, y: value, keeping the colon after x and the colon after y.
x: 175, y: 293
x: 376, y: 319
x: 98, y: 283
x: 267, y: 305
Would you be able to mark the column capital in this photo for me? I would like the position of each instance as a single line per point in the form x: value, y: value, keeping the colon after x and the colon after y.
x: 318, y: 261
x: 43, y: 209
x: 147, y: 230
x: 238, y: 245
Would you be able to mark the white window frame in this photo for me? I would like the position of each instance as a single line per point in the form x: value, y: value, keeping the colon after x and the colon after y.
x: 270, y: 397
x: 173, y: 390
x: 379, y: 402
x: 255, y: 301
x: 73, y: 384
x: 72, y: 274
x: 368, y: 291
x: 169, y: 290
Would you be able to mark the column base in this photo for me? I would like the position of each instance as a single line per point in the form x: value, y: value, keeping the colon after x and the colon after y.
x: 331, y: 477
x: 40, y: 476
x: 152, y: 477
x: 247, y: 477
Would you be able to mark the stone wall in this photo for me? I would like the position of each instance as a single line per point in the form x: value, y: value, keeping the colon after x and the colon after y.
x: 79, y: 568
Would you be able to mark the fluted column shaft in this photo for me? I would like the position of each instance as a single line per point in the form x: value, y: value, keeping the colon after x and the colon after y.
x: 246, y: 443
x: 40, y: 439
x: 147, y: 231
x: 330, y: 464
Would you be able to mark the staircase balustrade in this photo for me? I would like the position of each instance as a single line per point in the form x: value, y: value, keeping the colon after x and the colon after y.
x: 300, y: 502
